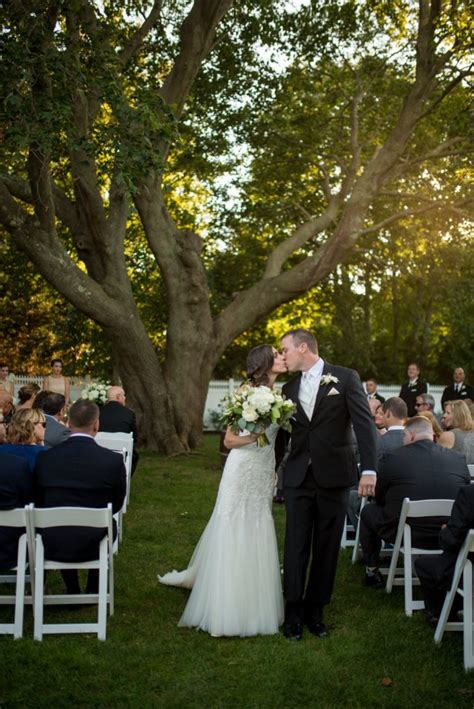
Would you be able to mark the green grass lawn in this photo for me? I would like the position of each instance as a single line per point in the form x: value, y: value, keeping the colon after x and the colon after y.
x: 147, y: 661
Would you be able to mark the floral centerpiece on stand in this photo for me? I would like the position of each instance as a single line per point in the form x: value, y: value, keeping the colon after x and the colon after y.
x: 253, y: 409
x: 96, y: 392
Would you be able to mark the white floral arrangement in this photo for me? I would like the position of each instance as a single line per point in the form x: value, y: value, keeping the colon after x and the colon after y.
x: 252, y: 409
x: 328, y: 379
x: 96, y: 392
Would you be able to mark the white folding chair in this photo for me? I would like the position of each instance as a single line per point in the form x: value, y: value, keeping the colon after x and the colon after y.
x: 16, y: 518
x: 462, y: 568
x: 119, y: 442
x: 73, y: 517
x: 471, y: 472
x: 413, y: 509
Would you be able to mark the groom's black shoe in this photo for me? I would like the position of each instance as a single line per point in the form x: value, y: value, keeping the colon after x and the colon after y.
x: 293, y: 630
x: 318, y: 629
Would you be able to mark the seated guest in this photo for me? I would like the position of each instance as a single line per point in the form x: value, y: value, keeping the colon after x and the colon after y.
x: 26, y: 396
x: 79, y: 473
x: 436, y: 572
x: 115, y: 417
x: 437, y: 430
x: 53, y: 406
x: 458, y: 389
x: 5, y: 383
x: 423, y: 403
x: 6, y: 406
x: 393, y: 414
x: 16, y: 490
x: 376, y: 412
x: 371, y: 389
x: 419, y: 470
x: 460, y: 431
x: 3, y: 429
x: 412, y: 388
x: 25, y: 436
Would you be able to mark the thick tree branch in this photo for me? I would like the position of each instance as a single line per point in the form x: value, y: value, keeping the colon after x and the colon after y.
x: 137, y: 38
x: 197, y: 37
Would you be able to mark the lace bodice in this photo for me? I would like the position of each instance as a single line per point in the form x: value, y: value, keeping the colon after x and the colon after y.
x: 248, y: 478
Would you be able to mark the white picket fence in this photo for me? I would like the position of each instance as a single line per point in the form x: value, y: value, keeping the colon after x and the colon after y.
x: 218, y: 388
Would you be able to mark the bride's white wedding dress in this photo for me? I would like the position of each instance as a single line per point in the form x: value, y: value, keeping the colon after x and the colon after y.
x: 234, y: 571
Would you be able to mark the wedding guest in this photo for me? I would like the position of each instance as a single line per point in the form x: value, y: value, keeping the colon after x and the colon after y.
x: 54, y: 407
x: 16, y: 490
x: 115, y: 417
x: 436, y: 572
x: 458, y: 389
x: 6, y: 406
x: 412, y: 388
x: 26, y: 396
x: 437, y: 430
x: 376, y: 410
x: 25, y: 436
x: 5, y: 383
x: 79, y: 473
x: 371, y: 389
x: 56, y: 381
x: 424, y: 402
x: 459, y: 434
x: 419, y: 470
x: 3, y: 429
x: 393, y: 415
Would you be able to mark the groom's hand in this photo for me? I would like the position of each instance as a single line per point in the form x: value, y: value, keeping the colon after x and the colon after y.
x: 367, y: 485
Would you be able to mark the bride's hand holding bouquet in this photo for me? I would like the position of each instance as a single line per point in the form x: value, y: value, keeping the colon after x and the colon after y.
x: 254, y: 408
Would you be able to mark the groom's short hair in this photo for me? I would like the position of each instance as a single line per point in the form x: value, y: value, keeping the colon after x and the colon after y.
x: 301, y: 335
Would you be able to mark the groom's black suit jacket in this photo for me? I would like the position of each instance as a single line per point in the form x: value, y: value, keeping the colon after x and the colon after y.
x: 326, y: 440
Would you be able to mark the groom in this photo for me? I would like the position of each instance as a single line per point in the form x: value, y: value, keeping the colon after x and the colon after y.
x: 319, y: 471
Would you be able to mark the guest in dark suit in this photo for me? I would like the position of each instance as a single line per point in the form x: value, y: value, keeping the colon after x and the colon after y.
x: 319, y: 472
x: 53, y: 406
x: 419, y: 470
x: 115, y: 417
x: 458, y: 389
x: 436, y: 572
x: 412, y: 388
x: 394, y: 413
x: 16, y: 490
x: 79, y: 473
x: 371, y: 389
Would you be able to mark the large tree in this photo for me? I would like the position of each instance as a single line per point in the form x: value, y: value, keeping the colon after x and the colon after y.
x: 100, y: 108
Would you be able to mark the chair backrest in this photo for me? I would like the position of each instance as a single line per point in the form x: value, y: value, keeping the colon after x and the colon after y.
x: 117, y: 442
x: 428, y: 508
x: 14, y: 518
x: 471, y: 471
x: 47, y: 517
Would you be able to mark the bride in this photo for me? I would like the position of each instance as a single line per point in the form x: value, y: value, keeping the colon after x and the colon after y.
x: 234, y: 572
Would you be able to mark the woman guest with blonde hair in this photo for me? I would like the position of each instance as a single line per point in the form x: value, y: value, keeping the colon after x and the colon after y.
x: 437, y: 431
x: 25, y: 435
x: 460, y: 430
x: 56, y: 382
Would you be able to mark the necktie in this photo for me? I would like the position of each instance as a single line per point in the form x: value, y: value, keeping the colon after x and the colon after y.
x: 306, y: 394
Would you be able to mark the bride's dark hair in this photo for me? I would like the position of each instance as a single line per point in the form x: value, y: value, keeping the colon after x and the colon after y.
x: 259, y: 362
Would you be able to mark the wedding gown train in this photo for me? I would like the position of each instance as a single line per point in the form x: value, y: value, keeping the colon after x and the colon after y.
x: 234, y: 572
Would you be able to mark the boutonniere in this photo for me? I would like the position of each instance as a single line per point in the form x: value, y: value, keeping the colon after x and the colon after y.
x: 328, y: 378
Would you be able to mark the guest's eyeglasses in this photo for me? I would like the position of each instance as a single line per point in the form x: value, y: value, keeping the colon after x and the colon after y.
x: 417, y: 406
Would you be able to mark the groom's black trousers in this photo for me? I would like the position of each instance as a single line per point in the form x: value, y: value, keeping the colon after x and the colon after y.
x: 314, y: 525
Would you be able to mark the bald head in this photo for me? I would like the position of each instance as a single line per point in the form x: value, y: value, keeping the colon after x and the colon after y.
x: 418, y: 428
x: 115, y: 393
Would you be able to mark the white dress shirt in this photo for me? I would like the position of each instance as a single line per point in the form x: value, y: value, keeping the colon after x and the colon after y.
x: 309, y: 386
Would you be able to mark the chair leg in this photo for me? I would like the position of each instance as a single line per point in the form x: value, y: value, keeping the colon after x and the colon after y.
x: 467, y: 621
x: 20, y: 589
x: 102, y: 614
x: 39, y: 590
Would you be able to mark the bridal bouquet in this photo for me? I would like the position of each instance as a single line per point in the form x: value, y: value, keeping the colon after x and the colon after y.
x: 96, y: 392
x: 252, y: 409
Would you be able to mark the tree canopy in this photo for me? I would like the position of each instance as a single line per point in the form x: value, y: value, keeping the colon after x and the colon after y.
x: 179, y: 172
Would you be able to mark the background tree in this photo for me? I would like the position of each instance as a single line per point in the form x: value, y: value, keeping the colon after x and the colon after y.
x: 96, y: 126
